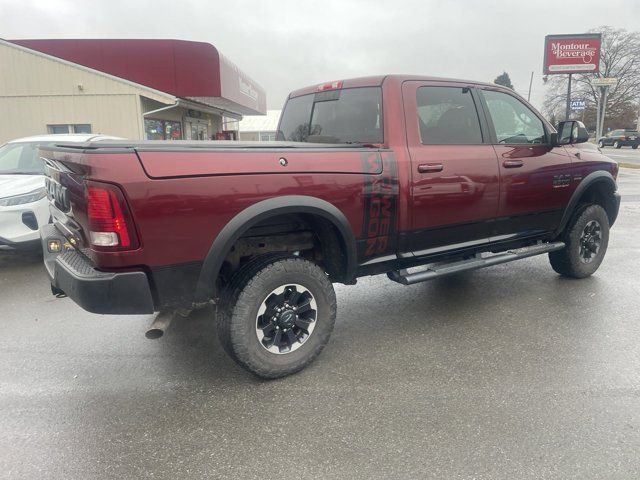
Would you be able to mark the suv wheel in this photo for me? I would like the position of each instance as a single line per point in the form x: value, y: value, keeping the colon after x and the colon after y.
x: 277, y: 315
x: 586, y: 238
x: 601, y: 144
x: 634, y: 146
x: 617, y: 144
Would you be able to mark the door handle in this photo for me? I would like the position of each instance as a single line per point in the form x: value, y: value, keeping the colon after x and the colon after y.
x: 512, y: 163
x: 430, y: 167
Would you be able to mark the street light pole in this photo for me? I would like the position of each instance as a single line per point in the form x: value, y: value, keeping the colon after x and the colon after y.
x: 529, y: 94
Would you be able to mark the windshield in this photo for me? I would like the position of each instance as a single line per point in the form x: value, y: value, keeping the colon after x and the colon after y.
x: 20, y: 159
x: 352, y: 115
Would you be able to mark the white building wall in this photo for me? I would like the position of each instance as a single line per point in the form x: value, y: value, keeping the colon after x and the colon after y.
x: 37, y: 90
x: 109, y: 114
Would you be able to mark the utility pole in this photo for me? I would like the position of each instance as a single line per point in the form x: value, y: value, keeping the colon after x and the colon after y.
x: 529, y: 94
x: 567, y: 111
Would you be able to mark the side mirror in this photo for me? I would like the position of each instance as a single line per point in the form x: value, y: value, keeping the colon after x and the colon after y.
x: 570, y: 132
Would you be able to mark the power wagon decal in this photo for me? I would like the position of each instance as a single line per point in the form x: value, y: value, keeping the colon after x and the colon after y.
x: 380, y: 200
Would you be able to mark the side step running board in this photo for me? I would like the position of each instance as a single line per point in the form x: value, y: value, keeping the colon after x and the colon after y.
x: 434, y: 271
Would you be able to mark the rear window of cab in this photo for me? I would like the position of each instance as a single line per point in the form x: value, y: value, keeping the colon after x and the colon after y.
x: 350, y: 115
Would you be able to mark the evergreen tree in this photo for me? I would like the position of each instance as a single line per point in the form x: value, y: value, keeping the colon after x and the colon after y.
x: 504, y: 80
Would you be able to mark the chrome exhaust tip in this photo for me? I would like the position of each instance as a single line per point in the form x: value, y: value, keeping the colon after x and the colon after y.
x: 159, y: 325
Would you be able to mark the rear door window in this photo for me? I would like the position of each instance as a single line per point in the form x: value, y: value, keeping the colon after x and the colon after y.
x: 447, y: 116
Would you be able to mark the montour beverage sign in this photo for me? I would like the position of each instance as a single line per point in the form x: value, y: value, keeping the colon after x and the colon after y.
x: 572, y: 53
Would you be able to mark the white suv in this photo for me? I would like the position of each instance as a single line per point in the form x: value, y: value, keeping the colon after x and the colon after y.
x: 23, y: 199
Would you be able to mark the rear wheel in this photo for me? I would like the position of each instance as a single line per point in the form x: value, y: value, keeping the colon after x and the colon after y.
x: 634, y: 146
x: 277, y: 316
x: 617, y: 144
x: 586, y: 238
x: 601, y: 144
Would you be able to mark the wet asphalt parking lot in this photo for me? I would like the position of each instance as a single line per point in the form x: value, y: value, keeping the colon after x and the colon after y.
x: 507, y: 372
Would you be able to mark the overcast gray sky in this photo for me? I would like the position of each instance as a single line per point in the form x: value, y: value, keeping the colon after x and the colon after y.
x: 284, y: 45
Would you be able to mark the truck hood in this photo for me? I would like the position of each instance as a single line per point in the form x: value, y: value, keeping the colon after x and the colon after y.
x: 11, y: 185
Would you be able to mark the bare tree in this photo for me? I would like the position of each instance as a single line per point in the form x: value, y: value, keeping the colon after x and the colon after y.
x: 619, y: 58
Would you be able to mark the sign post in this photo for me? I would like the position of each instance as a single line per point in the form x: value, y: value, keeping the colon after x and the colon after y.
x: 569, y: 54
x: 603, y: 84
x: 567, y: 110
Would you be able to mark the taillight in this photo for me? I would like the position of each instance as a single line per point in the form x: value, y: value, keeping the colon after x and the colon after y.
x: 110, y: 225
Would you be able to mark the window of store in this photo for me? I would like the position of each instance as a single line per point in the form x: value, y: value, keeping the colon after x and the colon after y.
x: 267, y: 136
x: 69, y: 128
x: 162, y: 129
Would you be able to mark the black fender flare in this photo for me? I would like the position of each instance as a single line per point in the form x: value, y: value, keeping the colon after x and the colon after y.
x: 600, y: 176
x: 258, y: 212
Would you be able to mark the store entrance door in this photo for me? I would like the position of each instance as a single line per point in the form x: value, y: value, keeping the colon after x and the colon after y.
x: 199, y: 131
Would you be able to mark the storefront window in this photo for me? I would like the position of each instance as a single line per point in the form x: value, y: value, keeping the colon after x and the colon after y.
x: 172, y: 130
x: 162, y: 129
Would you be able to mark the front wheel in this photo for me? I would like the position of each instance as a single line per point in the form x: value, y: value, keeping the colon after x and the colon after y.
x: 617, y: 144
x: 586, y: 238
x: 601, y: 144
x: 634, y: 146
x: 278, y: 316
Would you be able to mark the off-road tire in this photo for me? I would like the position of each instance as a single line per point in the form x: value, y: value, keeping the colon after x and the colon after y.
x: 567, y: 262
x: 238, y: 280
x: 239, y: 305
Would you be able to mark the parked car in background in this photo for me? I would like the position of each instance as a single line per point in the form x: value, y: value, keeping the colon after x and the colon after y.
x: 620, y: 138
x: 23, y: 203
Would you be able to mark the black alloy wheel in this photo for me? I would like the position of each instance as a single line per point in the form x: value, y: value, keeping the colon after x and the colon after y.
x: 286, y: 318
x: 590, y: 241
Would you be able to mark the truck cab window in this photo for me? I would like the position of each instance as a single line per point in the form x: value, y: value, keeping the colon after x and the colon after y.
x: 447, y: 116
x: 350, y: 115
x: 513, y: 121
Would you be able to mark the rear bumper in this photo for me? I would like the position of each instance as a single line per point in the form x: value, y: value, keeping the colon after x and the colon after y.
x: 70, y: 272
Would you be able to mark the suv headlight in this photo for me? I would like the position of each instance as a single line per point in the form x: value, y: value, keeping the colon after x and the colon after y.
x: 25, y: 198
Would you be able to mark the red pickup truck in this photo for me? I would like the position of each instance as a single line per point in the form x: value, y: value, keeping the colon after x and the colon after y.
x: 415, y: 177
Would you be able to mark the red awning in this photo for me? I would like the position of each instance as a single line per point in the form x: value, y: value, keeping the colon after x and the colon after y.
x: 194, y: 70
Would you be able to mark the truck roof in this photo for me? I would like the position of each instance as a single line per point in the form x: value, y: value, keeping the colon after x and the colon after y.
x: 378, y: 80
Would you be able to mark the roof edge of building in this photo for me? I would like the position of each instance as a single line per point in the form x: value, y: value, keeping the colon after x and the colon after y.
x: 115, y: 78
